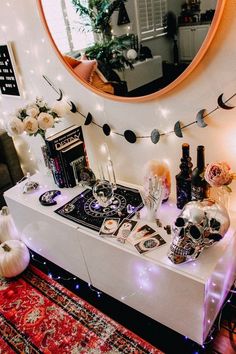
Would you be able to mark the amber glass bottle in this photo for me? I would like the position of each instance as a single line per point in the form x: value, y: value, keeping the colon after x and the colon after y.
x: 199, y: 185
x: 183, y: 178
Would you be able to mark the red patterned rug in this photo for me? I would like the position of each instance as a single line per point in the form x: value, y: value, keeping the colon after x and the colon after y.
x: 38, y: 315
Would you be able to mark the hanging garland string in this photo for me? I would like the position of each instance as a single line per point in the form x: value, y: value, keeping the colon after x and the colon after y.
x: 130, y: 136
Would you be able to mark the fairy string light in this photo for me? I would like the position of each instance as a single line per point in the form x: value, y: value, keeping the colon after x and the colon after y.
x: 62, y: 278
x: 155, y: 135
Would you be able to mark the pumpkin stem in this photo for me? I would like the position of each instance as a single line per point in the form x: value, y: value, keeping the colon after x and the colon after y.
x: 6, y: 247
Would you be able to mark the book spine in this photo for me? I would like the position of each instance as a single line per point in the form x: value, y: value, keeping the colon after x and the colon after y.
x: 57, y: 172
x: 70, y: 173
x: 64, y: 169
x: 50, y: 148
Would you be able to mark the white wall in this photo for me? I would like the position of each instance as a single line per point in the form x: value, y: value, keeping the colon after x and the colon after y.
x: 208, y: 5
x: 216, y: 74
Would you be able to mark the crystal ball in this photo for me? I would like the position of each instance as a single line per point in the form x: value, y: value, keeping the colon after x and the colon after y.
x: 103, y: 192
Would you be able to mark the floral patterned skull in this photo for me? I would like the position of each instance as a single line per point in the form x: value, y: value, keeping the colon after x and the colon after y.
x: 199, y: 225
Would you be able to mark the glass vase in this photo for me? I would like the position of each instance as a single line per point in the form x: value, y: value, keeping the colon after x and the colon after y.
x: 220, y: 195
x: 44, y: 160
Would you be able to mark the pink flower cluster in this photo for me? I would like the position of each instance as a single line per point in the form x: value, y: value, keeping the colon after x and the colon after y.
x: 218, y: 174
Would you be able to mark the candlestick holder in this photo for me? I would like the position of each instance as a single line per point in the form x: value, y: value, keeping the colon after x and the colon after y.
x: 103, y: 189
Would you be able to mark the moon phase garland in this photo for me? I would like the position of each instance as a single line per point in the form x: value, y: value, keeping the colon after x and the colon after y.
x: 155, y: 135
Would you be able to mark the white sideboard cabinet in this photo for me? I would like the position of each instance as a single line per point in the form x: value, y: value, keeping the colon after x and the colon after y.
x: 143, y: 72
x: 190, y: 40
x: 185, y: 298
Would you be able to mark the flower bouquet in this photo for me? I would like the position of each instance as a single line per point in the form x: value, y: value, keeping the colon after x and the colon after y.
x: 33, y: 119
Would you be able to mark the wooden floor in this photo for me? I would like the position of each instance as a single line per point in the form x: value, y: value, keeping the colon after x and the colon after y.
x: 170, y: 73
x: 225, y: 339
x: 221, y: 341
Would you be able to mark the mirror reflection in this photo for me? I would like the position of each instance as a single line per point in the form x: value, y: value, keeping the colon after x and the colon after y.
x: 129, y: 48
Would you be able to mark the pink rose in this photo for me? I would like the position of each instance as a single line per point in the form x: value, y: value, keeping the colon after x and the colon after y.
x: 218, y: 174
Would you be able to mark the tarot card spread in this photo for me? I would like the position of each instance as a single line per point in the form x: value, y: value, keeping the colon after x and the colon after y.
x: 109, y: 226
x: 149, y: 244
x: 86, y: 211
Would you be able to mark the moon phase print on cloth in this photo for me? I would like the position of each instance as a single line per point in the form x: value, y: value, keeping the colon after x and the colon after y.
x: 88, y: 212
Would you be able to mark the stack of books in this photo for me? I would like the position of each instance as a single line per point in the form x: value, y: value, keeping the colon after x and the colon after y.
x: 67, y: 155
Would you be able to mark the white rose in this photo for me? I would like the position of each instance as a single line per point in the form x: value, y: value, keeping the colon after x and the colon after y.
x: 30, y: 125
x: 32, y: 111
x: 40, y: 102
x: 45, y: 121
x: 15, y: 126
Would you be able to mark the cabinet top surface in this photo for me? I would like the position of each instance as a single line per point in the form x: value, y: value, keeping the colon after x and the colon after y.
x: 196, y: 24
x: 199, y: 270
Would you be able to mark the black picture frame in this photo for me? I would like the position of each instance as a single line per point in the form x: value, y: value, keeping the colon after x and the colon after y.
x: 9, y: 84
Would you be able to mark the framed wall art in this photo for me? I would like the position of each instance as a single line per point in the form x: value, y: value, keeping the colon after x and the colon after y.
x: 9, y: 84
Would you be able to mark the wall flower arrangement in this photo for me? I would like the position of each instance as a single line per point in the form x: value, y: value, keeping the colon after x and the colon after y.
x: 33, y: 119
x: 219, y: 174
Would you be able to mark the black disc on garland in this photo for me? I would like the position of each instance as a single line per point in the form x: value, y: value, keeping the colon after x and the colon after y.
x: 88, y: 119
x: 178, y: 130
x: 73, y: 107
x: 60, y: 95
x: 106, y: 129
x: 130, y: 136
x: 222, y: 104
x: 155, y: 136
x: 200, y: 119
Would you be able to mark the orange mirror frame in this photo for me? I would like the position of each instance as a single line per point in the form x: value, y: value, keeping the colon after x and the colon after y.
x: 210, y: 35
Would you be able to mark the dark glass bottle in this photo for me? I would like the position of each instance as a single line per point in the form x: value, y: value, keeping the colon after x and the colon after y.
x: 199, y: 185
x: 183, y: 178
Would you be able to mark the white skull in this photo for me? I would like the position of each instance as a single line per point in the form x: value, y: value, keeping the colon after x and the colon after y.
x: 199, y: 225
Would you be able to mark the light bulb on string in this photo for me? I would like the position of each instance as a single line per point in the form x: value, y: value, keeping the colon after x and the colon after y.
x: 20, y: 27
x: 59, y: 78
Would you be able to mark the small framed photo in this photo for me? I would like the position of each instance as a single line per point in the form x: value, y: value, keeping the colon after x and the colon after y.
x: 124, y: 229
x: 9, y: 84
x: 150, y: 244
x: 109, y: 226
x: 141, y: 232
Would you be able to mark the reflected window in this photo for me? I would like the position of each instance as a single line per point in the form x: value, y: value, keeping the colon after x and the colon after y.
x: 65, y: 25
x: 150, y: 18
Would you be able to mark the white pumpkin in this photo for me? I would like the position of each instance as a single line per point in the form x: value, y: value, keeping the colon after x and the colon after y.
x: 8, y: 230
x: 14, y: 258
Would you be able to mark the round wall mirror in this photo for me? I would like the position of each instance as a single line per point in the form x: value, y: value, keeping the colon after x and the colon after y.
x: 131, y: 50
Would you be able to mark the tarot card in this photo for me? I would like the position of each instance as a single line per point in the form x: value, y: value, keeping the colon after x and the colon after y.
x: 109, y: 226
x: 150, y: 244
x: 140, y: 232
x: 124, y: 229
